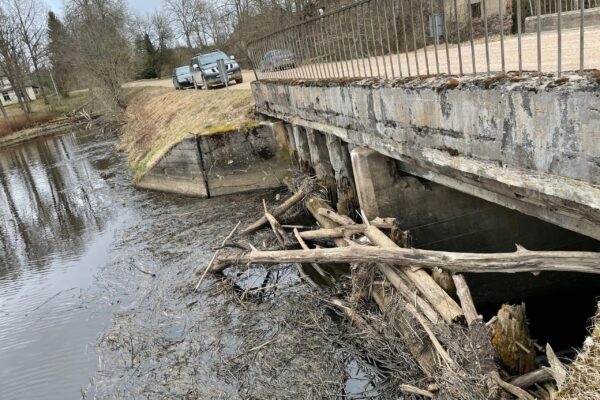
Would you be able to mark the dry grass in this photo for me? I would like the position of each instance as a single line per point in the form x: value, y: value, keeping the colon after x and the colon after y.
x: 158, y: 118
x: 583, y: 379
x: 16, y: 123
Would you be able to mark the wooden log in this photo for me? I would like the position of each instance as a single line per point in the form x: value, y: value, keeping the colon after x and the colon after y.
x: 275, y: 226
x: 436, y: 296
x: 416, y: 390
x: 411, y: 295
x: 510, y: 338
x: 466, y: 300
x: 519, y: 261
x: 557, y: 369
x: 514, y: 390
x: 335, y: 217
x: 279, y: 210
x: 531, y: 378
x: 339, y: 156
x: 421, y: 349
x: 313, y: 205
x: 341, y: 231
x: 436, y: 343
x: 444, y: 279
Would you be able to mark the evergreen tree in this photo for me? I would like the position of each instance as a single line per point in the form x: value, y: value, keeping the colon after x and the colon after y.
x: 58, y: 52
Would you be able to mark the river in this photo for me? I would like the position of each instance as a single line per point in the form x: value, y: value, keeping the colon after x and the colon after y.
x: 98, y: 293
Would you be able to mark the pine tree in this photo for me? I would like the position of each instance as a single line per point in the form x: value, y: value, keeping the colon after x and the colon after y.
x: 58, y: 52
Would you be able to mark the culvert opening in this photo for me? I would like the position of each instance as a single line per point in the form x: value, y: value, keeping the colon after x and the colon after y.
x: 559, y: 305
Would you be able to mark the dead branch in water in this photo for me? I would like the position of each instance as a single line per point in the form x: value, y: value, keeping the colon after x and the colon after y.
x: 282, y: 208
x: 519, y: 261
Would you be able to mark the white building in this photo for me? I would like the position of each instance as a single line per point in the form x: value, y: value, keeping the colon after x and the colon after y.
x: 8, y: 95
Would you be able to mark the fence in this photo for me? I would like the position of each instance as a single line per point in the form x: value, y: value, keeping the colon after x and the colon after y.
x: 405, y: 38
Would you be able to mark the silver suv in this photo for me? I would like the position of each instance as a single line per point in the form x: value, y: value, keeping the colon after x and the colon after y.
x: 205, y: 71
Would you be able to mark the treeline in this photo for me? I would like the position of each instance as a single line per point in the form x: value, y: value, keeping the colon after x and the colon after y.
x: 100, y: 44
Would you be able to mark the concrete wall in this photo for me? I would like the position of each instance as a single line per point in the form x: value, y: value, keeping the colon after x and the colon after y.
x: 215, y: 165
x: 568, y: 20
x: 179, y: 171
x: 526, y: 146
x: 236, y: 162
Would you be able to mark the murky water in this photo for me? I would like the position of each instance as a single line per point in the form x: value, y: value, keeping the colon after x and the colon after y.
x: 98, y: 299
x: 57, y: 222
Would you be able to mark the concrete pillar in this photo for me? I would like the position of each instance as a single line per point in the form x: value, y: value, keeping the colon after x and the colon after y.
x: 374, y: 177
x: 344, y: 178
x: 302, y: 148
x: 319, y: 156
x: 293, y: 151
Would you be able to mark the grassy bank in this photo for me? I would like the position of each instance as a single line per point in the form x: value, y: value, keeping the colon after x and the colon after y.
x: 158, y: 118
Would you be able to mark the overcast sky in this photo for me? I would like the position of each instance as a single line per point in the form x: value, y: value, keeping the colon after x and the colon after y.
x: 137, y: 6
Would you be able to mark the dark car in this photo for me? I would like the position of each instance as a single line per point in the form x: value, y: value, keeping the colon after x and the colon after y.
x: 206, y: 73
x: 279, y: 59
x: 182, y: 77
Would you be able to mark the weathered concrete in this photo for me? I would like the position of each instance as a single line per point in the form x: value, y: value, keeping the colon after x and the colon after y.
x: 215, y: 165
x: 526, y: 146
x: 339, y: 156
x: 319, y: 157
x: 375, y: 180
x: 179, y: 171
x: 301, y: 144
x: 568, y: 20
x: 240, y: 162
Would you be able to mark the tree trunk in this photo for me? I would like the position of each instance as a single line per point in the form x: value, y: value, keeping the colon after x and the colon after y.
x: 519, y: 261
x: 510, y: 338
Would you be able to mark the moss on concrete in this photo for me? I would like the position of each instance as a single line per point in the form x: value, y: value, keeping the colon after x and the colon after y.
x: 159, y: 118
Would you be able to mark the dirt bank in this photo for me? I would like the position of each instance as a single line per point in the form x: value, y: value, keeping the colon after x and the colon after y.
x: 158, y: 118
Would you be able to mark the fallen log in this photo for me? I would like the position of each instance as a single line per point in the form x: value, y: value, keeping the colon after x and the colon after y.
x: 531, y: 378
x: 466, y: 301
x: 519, y: 261
x: 429, y: 289
x: 514, y: 390
x: 343, y: 230
x: 335, y: 217
x: 420, y: 348
x: 282, y: 208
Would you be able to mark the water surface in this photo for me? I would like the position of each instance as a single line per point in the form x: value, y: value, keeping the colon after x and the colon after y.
x: 58, y: 217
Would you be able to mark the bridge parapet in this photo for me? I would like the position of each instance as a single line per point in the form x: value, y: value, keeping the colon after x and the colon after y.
x: 531, y: 145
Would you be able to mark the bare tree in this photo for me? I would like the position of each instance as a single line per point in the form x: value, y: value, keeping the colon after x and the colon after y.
x: 12, y: 61
x: 30, y: 20
x: 101, y: 48
x: 185, y: 14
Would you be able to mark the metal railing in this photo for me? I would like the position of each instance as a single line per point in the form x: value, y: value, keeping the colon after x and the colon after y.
x: 405, y: 38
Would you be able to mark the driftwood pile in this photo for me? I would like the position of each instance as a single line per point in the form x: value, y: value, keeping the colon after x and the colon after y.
x: 433, y: 293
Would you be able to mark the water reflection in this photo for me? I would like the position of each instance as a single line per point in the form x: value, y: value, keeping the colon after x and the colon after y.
x: 48, y: 202
x: 57, y: 221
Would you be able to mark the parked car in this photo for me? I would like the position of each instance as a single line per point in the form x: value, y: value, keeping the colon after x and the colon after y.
x: 279, y: 59
x: 182, y: 77
x: 206, y: 73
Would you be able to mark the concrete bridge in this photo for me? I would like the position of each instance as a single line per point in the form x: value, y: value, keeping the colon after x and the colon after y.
x: 431, y: 149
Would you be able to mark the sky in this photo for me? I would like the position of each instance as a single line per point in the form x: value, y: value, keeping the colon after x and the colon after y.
x: 141, y: 7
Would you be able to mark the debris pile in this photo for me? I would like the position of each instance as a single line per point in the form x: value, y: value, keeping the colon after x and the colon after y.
x: 411, y: 314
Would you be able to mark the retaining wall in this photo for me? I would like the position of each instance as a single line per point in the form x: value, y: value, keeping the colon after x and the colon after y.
x: 220, y: 164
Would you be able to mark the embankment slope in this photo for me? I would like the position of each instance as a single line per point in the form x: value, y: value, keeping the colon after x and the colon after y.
x: 159, y: 118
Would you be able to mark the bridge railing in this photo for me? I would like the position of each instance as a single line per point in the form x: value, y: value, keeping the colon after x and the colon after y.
x: 406, y: 38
